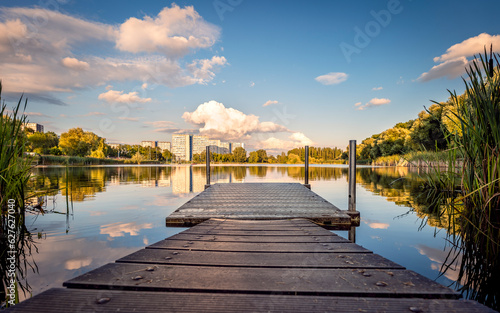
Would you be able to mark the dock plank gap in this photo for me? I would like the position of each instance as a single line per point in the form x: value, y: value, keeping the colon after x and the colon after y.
x: 261, y: 201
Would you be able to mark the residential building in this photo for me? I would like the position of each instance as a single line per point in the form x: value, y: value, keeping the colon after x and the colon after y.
x: 199, y: 144
x: 38, y: 128
x: 164, y: 145
x: 236, y: 145
x: 146, y: 144
x: 182, y: 147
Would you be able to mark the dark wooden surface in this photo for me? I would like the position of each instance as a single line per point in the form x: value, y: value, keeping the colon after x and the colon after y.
x: 245, y: 270
x: 86, y: 301
x: 259, y: 201
x: 257, y: 259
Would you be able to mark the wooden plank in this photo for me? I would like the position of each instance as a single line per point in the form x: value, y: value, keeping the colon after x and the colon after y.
x: 332, y: 282
x: 244, y: 232
x: 256, y: 259
x: 283, y: 247
x: 86, y: 301
x: 256, y: 238
x: 260, y: 223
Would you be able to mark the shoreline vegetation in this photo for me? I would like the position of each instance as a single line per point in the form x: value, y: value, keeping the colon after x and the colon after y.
x: 414, y: 159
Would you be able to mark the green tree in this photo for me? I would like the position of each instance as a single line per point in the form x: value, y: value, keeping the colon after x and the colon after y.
x: 427, y: 131
x: 42, y: 142
x: 239, y: 155
x: 77, y: 142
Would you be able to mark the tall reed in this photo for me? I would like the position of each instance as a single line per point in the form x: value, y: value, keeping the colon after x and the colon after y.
x: 477, y: 246
x: 15, y: 239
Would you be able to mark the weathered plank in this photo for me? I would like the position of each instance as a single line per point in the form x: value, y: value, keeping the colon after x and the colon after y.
x: 257, y: 259
x: 283, y: 247
x: 86, y: 301
x: 244, y: 232
x: 333, y: 282
x: 258, y: 201
x: 257, y: 238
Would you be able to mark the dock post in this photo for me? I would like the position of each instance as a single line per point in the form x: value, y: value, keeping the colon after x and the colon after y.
x: 352, y: 186
x: 207, y: 159
x: 306, y: 167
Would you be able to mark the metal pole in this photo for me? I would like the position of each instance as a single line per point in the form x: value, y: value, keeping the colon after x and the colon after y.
x: 352, y: 185
x: 207, y: 159
x: 352, y: 175
x: 306, y: 166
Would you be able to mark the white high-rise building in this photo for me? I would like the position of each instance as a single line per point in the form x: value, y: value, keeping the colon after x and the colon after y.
x: 164, y: 145
x: 182, y: 147
x: 199, y: 144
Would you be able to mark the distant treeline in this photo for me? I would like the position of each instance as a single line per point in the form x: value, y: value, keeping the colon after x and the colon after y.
x: 82, y: 147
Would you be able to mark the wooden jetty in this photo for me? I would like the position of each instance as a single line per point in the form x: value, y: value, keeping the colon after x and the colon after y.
x: 229, y: 265
x: 261, y: 201
x: 255, y: 248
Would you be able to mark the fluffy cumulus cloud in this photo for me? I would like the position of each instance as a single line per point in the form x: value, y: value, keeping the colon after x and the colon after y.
x: 269, y: 102
x: 114, y: 96
x: 174, y: 32
x: 215, y: 120
x: 453, y: 63
x: 375, y: 102
x: 36, y: 42
x: 75, y: 64
x: 274, y: 144
x: 332, y: 78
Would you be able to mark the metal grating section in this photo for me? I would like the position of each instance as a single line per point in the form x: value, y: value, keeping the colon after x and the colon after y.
x: 258, y: 201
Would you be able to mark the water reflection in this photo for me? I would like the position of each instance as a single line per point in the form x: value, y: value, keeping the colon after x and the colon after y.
x: 121, y: 209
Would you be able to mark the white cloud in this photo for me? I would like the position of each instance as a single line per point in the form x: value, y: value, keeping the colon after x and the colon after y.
x: 269, y: 102
x: 377, y: 88
x: 75, y: 64
x: 449, y: 68
x: 160, y: 124
x: 144, y: 86
x: 29, y: 52
x: 452, y: 64
x: 372, y: 103
x: 274, y: 144
x: 202, y: 70
x: 114, y: 96
x: 470, y: 47
x: 252, y: 84
x: 218, y: 121
x: 173, y: 32
x: 332, y: 78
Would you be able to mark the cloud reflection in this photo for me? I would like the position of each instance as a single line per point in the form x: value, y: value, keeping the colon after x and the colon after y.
x: 120, y: 229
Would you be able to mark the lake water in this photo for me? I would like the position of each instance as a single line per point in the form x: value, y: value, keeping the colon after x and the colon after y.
x: 99, y: 214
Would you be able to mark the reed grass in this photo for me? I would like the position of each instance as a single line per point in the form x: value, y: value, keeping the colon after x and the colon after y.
x: 475, y: 212
x: 15, y: 166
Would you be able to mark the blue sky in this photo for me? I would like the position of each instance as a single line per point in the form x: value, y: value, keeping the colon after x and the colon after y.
x: 272, y: 74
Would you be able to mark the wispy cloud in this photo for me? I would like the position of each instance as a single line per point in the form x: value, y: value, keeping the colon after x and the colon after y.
x: 377, y: 88
x: 130, y: 119
x: 372, y: 103
x: 269, y: 102
x: 114, y: 96
x: 332, y: 78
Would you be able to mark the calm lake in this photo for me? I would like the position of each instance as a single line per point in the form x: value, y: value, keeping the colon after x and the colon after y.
x: 95, y: 215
